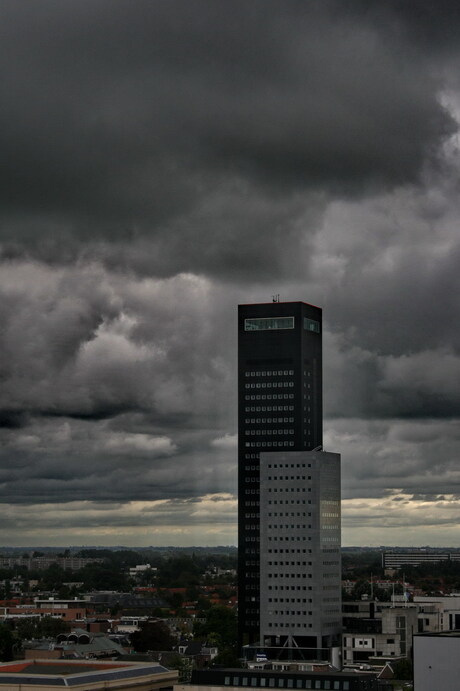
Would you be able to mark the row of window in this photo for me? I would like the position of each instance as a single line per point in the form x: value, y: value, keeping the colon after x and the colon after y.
x: 287, y: 514
x: 266, y: 420
x: 268, y: 323
x: 288, y: 538
x: 292, y: 625
x: 290, y: 551
x: 289, y: 489
x: 269, y: 385
x: 292, y: 501
x: 283, y: 526
x: 290, y: 587
x: 289, y: 563
x: 279, y: 683
x: 289, y: 599
x: 269, y: 397
x: 268, y: 408
x: 290, y: 477
x: 291, y: 465
x: 259, y: 444
x: 270, y: 373
x: 289, y: 575
x: 290, y: 613
x: 276, y: 323
x: 258, y: 432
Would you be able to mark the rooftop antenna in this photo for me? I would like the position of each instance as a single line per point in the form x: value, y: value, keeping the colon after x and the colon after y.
x: 276, y: 298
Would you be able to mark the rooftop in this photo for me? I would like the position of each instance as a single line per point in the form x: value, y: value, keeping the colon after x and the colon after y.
x: 75, y: 673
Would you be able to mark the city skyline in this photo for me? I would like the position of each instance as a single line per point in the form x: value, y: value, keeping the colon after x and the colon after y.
x: 163, y: 163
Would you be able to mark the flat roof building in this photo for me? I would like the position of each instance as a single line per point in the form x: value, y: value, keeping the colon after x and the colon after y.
x: 45, y: 675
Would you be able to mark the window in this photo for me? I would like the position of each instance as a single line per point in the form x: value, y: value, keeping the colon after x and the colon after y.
x: 268, y: 324
x: 311, y: 325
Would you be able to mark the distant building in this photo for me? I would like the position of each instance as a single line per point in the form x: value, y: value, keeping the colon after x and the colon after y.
x: 394, y: 560
x: 140, y: 569
x: 70, y: 563
x: 127, y: 602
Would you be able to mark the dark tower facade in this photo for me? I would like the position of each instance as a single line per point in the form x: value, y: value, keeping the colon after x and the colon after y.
x: 279, y: 409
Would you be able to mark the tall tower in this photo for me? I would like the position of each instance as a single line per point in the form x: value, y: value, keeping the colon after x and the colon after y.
x: 280, y: 412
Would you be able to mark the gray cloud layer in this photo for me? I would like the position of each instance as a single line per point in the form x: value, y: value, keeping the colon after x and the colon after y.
x: 162, y: 162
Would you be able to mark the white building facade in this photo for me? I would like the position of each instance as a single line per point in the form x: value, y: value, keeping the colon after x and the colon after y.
x: 300, y: 562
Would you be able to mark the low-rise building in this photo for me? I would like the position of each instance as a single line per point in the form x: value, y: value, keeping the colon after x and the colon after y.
x: 386, y: 633
x: 260, y: 680
x: 82, y: 675
x: 76, y: 644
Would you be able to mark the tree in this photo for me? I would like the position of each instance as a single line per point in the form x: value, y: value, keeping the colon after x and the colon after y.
x: 53, y: 577
x: 182, y: 664
x: 221, y: 624
x: 153, y: 635
x: 6, y: 643
x: 47, y: 627
x: 227, y: 657
x: 402, y: 669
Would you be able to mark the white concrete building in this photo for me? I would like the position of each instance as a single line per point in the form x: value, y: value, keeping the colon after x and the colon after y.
x: 437, y: 661
x: 300, y: 564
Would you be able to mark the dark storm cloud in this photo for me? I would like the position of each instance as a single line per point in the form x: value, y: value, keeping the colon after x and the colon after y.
x: 163, y: 161
x: 147, y: 118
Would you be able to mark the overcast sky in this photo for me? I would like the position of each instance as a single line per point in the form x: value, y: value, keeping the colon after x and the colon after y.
x: 163, y: 160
